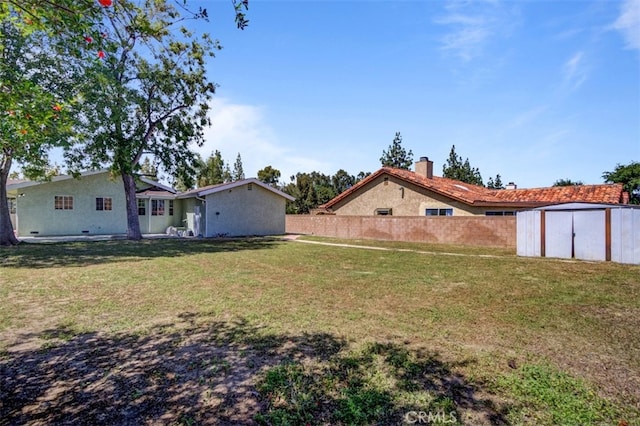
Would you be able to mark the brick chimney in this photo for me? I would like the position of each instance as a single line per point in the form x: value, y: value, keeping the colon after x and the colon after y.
x: 424, y: 167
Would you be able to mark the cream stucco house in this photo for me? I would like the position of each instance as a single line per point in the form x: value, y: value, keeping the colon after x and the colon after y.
x: 399, y: 192
x: 94, y: 204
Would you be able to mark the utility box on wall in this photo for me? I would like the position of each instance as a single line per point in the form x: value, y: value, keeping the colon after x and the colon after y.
x: 581, y: 231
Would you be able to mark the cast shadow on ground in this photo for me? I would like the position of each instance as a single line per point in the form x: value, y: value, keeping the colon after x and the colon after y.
x: 83, y: 253
x: 200, y: 371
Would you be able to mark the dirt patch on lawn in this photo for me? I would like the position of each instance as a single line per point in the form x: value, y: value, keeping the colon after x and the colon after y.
x: 192, y: 372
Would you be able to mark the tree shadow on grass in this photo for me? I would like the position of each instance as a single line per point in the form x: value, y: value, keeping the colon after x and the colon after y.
x: 199, y: 371
x: 83, y: 253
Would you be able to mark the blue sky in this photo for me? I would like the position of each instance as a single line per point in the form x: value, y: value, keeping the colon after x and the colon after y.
x: 533, y: 90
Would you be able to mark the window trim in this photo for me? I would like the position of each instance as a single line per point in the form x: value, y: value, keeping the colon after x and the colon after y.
x: 171, y: 207
x: 500, y: 213
x: 142, y: 207
x: 157, y: 207
x: 104, y: 204
x: 63, y: 202
x: 433, y: 212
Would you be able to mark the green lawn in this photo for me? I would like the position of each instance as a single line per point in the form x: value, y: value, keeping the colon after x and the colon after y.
x: 264, y: 331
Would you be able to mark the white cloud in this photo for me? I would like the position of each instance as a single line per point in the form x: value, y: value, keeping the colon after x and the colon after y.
x: 238, y: 128
x: 575, y: 70
x: 472, y: 26
x: 628, y: 23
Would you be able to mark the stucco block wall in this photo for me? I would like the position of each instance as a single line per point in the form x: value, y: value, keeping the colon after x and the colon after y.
x: 240, y: 211
x: 36, y: 212
x: 405, y: 199
x: 488, y: 231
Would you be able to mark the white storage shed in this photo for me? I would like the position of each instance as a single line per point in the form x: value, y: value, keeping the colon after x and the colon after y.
x: 581, y: 231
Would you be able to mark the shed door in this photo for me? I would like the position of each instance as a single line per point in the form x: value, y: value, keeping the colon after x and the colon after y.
x: 589, y: 229
x: 558, y: 234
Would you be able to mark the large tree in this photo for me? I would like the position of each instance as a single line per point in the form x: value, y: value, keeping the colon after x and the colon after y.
x: 35, y: 91
x: 270, y: 176
x: 149, y: 95
x: 456, y: 168
x: 397, y: 156
x: 629, y: 176
x: 211, y: 171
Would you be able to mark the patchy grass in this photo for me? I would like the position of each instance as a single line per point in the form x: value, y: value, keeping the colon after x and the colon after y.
x: 353, y: 336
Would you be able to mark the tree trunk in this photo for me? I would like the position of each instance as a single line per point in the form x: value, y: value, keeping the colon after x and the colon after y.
x: 133, y: 223
x: 7, y: 237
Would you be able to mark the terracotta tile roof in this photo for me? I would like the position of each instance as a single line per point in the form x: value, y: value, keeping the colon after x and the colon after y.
x: 481, y: 196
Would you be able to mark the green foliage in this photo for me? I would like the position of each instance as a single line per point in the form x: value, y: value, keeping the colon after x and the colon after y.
x: 270, y: 176
x: 564, y: 399
x: 149, y: 95
x: 212, y: 171
x: 238, y: 171
x: 35, y: 94
x: 397, y: 156
x: 378, y: 384
x: 310, y: 190
x: 567, y: 182
x: 629, y: 176
x: 460, y: 170
x: 148, y: 169
x: 342, y: 181
x: 495, y: 184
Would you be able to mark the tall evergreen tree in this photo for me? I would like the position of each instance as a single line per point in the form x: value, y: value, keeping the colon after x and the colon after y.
x: 495, y: 184
x: 238, y: 171
x: 397, y: 156
x: 456, y: 168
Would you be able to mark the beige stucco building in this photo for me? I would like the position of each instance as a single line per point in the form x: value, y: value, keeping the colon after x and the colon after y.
x: 94, y: 204
x: 399, y: 192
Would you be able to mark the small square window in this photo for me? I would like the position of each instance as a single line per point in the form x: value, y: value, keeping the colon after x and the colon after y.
x: 63, y: 202
x: 104, y: 203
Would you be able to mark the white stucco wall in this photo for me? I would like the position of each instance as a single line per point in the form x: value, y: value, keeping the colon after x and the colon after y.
x: 240, y: 211
x: 37, y: 215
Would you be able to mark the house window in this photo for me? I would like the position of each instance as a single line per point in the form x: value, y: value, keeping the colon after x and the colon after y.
x: 500, y: 213
x: 63, y: 202
x: 142, y: 207
x: 170, y: 207
x: 104, y: 203
x: 384, y: 212
x: 438, y: 212
x: 12, y: 206
x: 157, y: 207
x: 249, y: 187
